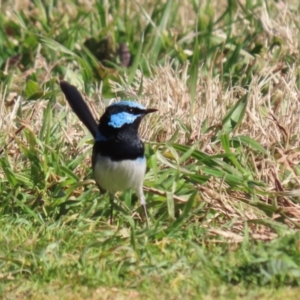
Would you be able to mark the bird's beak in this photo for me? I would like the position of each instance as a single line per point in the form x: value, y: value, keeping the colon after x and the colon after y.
x: 150, y: 110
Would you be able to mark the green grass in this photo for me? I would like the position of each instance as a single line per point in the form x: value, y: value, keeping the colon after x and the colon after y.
x: 222, y: 184
x: 88, y: 253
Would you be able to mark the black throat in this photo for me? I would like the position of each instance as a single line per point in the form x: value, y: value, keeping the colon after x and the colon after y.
x: 121, y: 143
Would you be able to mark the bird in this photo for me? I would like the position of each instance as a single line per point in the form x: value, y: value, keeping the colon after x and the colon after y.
x: 118, y: 160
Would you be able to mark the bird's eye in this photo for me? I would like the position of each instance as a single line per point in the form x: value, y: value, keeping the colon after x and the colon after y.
x: 131, y: 110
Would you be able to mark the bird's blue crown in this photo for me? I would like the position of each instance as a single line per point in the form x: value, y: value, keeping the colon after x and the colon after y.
x: 128, y: 103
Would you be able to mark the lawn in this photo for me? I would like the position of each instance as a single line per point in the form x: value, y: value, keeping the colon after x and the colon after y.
x: 223, y: 150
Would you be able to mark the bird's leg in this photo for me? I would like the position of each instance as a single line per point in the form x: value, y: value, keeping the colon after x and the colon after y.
x: 111, y: 199
x: 143, y: 203
x: 146, y: 215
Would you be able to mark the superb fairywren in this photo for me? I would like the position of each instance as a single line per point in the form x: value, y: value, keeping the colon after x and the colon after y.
x: 118, y: 159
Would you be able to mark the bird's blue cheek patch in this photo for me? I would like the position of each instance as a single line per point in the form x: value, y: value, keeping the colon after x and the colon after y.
x: 122, y: 118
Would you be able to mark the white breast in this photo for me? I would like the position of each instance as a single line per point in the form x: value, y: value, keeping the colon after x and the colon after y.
x: 116, y: 176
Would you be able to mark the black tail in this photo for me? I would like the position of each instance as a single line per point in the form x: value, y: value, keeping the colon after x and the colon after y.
x: 79, y: 106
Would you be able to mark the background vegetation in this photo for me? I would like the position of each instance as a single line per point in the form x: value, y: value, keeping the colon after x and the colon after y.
x: 223, y: 150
